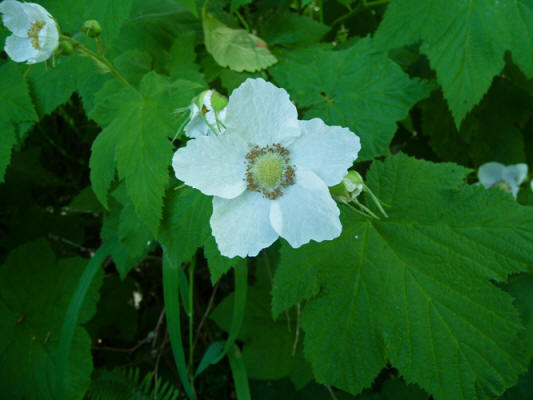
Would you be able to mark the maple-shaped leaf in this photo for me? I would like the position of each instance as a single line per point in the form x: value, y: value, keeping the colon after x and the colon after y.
x: 360, y: 88
x: 465, y: 41
x: 414, y: 290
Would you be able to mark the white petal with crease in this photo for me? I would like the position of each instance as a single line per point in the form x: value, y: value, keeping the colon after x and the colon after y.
x: 262, y: 114
x: 328, y: 151
x: 213, y: 164
x: 241, y: 226
x: 306, y: 211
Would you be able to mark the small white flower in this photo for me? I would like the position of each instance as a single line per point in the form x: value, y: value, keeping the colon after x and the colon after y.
x: 35, y: 35
x: 507, y: 178
x: 269, y: 173
x: 207, y: 115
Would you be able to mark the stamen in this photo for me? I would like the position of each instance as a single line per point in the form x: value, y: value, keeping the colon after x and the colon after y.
x: 33, y: 33
x: 269, y: 170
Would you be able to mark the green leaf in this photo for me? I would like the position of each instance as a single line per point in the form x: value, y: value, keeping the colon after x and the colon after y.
x: 217, y: 263
x: 267, y: 351
x: 505, y: 108
x: 7, y: 142
x: 110, y: 14
x: 235, y: 48
x: 130, y: 239
x: 36, y: 291
x: 465, y: 42
x: 414, y: 290
x: 190, y: 5
x: 52, y: 87
x: 137, y: 139
x: 358, y: 87
x: 133, y: 65
x: 235, y: 4
x: 16, y: 107
x: 185, y: 227
x: 181, y: 58
x: 292, y: 29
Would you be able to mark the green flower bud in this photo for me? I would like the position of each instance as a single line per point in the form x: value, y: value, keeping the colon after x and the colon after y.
x: 349, y: 188
x: 92, y: 28
x: 65, y: 48
x: 218, y: 101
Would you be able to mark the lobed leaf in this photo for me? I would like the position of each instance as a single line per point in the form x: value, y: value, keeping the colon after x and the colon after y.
x: 414, y: 290
x: 359, y: 88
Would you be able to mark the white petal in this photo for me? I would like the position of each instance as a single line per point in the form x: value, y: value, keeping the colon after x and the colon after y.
x: 241, y: 226
x: 516, y: 173
x: 514, y: 176
x: 14, y: 17
x: 215, y: 165
x: 306, y: 211
x: 48, y: 39
x: 196, y: 126
x: 328, y: 151
x: 262, y: 114
x: 19, y: 49
x: 490, y: 173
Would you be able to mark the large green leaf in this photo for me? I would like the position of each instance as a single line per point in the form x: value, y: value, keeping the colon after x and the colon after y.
x: 235, y: 48
x: 268, y: 348
x: 414, y: 290
x: 505, y: 108
x: 16, y: 107
x: 185, y: 227
x: 358, y: 87
x: 137, y: 139
x: 465, y: 41
x: 110, y: 14
x: 35, y: 292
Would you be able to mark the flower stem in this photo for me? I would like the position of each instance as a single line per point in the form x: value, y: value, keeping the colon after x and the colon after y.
x: 191, y: 317
x: 242, y: 20
x: 98, y: 58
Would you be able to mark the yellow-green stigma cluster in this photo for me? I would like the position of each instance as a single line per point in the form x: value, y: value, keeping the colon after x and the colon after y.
x: 503, y: 185
x: 269, y: 170
x: 33, y: 33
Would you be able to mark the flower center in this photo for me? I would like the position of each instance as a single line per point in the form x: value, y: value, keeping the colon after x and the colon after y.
x: 33, y: 33
x: 503, y: 185
x: 269, y: 170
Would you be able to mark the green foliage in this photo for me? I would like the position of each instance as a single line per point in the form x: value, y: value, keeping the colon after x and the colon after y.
x: 357, y: 87
x: 268, y: 350
x: 235, y: 48
x: 110, y: 14
x: 17, y: 108
x: 292, y: 29
x: 36, y: 290
x: 411, y: 289
x: 127, y: 384
x: 137, y: 139
x: 465, y: 42
x: 433, y: 301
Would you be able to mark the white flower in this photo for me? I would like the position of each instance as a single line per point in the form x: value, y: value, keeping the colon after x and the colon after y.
x: 207, y: 115
x: 35, y: 34
x: 507, y: 178
x: 269, y: 173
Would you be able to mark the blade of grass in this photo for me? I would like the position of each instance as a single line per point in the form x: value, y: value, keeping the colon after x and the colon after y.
x: 238, y: 370
x: 172, y: 307
x: 73, y: 312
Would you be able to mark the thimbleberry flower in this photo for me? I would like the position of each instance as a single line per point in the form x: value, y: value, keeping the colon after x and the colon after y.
x: 507, y: 178
x: 269, y: 172
x: 35, y: 35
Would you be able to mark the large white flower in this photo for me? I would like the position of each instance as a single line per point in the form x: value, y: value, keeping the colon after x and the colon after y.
x: 207, y: 115
x: 269, y: 173
x: 35, y: 35
x: 507, y: 178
